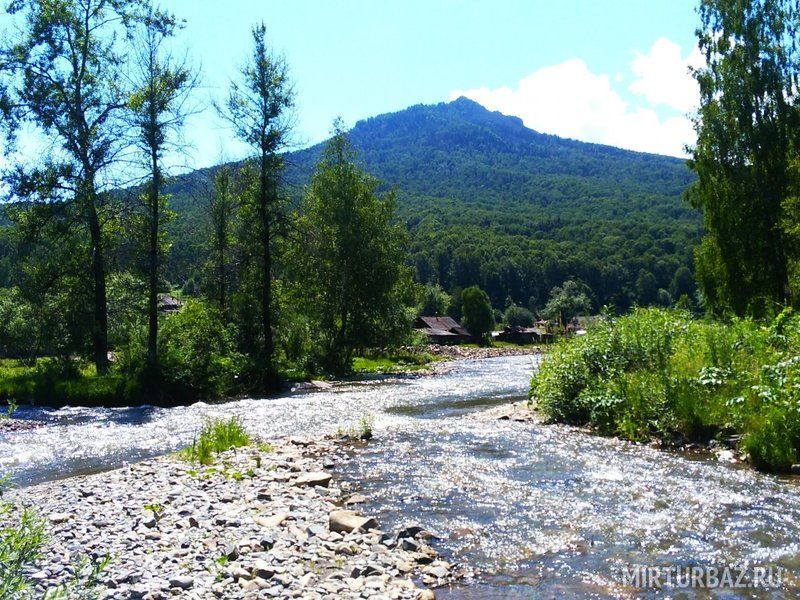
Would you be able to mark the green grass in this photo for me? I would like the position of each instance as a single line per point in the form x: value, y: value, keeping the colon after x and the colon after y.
x: 52, y: 382
x: 661, y: 374
x: 216, y: 436
x: 393, y: 362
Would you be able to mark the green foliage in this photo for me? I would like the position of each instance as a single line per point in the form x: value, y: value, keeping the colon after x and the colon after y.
x: 746, y: 142
x: 222, y: 211
x: 51, y: 382
x: 662, y: 374
x: 197, y: 354
x: 21, y: 541
x: 518, y: 316
x: 17, y: 324
x: 217, y: 435
x: 350, y: 263
x: 567, y: 301
x: 477, y: 311
x: 435, y: 302
x: 646, y: 287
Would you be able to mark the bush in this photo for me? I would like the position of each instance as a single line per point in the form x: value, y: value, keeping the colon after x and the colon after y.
x: 196, y: 353
x: 661, y: 374
x: 21, y: 542
x: 216, y: 436
x: 518, y: 316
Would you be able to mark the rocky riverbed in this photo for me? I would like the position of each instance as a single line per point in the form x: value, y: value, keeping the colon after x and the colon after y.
x: 468, y: 352
x: 260, y: 522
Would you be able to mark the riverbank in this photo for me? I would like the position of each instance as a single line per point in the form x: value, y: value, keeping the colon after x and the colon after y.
x: 55, y: 384
x: 471, y: 352
x: 663, y: 377
x: 261, y: 522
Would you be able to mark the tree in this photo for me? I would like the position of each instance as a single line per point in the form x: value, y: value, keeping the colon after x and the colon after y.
x: 351, y: 259
x: 257, y: 108
x: 568, y: 301
x: 477, y: 311
x: 646, y: 287
x: 221, y: 209
x: 682, y: 283
x: 162, y: 86
x: 519, y: 316
x: 746, y: 129
x: 64, y: 78
x: 454, y: 308
x: 434, y: 301
x: 663, y: 298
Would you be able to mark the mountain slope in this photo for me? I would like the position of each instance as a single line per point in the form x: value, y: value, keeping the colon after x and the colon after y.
x: 488, y: 201
x: 462, y: 150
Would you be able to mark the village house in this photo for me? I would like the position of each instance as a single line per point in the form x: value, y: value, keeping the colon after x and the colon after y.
x: 523, y: 335
x: 169, y: 304
x: 442, y: 330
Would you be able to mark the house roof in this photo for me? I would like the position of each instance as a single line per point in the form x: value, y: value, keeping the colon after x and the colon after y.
x: 165, y: 301
x: 437, y: 332
x: 444, y: 323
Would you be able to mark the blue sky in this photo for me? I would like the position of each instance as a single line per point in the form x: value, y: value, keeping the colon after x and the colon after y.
x: 610, y: 71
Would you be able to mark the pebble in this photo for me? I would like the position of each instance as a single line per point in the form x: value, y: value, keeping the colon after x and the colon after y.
x: 183, y: 582
x: 277, y: 532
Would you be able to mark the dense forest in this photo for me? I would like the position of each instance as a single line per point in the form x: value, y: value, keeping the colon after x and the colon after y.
x: 289, y: 263
x: 285, y: 285
x: 492, y: 203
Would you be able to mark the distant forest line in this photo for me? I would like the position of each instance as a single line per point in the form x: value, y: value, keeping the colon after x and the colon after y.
x: 491, y: 203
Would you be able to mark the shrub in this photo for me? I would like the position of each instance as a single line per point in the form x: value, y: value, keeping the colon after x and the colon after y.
x: 217, y: 435
x: 21, y: 541
x: 661, y: 374
x: 196, y: 353
x: 518, y: 316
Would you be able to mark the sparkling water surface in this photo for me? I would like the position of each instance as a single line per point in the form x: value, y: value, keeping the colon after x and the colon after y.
x: 536, y: 510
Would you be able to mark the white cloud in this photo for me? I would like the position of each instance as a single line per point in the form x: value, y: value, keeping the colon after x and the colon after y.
x: 662, y: 76
x: 570, y: 100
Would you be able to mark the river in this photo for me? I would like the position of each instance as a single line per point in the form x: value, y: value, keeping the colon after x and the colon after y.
x: 536, y: 510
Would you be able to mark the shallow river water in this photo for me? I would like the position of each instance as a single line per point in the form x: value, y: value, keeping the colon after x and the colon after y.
x: 536, y: 510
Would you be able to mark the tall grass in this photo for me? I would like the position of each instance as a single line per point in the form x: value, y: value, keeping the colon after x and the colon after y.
x: 23, y: 535
x: 661, y: 374
x: 21, y: 540
x: 54, y: 382
x: 216, y: 436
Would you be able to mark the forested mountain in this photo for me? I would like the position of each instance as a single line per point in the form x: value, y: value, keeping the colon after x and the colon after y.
x: 488, y: 201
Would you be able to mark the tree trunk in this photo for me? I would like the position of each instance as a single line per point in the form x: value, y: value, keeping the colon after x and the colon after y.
x: 152, y: 292
x: 222, y: 277
x: 265, y: 191
x: 100, y: 301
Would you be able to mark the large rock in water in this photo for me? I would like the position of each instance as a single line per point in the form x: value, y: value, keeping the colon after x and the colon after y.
x: 345, y: 521
x: 316, y: 478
